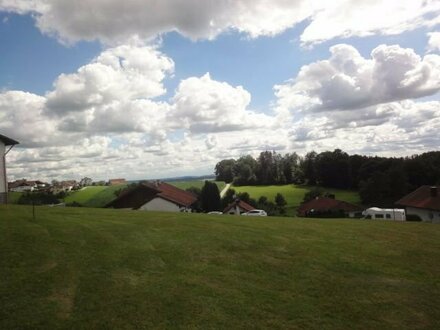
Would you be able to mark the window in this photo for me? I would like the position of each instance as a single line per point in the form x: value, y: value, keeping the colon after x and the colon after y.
x: 388, y: 216
x: 379, y: 216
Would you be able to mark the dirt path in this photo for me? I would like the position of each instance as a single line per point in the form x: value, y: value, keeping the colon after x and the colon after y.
x: 225, y: 189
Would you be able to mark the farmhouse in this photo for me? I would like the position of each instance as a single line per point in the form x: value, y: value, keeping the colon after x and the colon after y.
x: 155, y: 196
x: 6, y: 144
x: 423, y: 202
x: 114, y: 182
x: 238, y: 207
x: 325, y: 206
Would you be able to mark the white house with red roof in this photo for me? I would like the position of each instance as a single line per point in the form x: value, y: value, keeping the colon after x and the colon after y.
x: 423, y: 202
x: 155, y: 196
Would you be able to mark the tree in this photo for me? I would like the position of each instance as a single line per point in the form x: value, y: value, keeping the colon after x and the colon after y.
x: 244, y: 171
x: 228, y: 198
x: 308, y: 166
x: 224, y: 170
x: 210, y: 197
x: 312, y: 194
x: 280, y: 202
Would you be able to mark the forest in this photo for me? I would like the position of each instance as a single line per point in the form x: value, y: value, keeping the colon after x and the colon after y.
x: 379, y: 180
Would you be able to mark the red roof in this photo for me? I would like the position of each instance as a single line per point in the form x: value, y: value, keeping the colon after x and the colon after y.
x: 174, y: 194
x: 422, y: 198
x: 130, y: 197
x: 243, y: 205
x: 323, y: 204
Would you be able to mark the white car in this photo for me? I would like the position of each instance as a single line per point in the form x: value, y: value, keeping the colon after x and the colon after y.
x: 215, y: 212
x: 258, y: 213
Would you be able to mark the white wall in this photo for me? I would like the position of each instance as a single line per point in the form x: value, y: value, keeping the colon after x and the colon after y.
x: 3, y: 187
x: 159, y: 204
x: 425, y: 215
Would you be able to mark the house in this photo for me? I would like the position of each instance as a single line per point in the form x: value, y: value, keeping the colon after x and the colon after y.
x: 114, y: 182
x: 155, y: 196
x: 238, y: 207
x: 6, y: 144
x: 325, y: 206
x: 423, y: 202
x: 63, y: 186
x: 22, y: 185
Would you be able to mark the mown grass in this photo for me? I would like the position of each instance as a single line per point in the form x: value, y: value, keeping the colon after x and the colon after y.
x: 78, y: 268
x: 294, y: 194
x: 195, y: 183
x: 94, y: 196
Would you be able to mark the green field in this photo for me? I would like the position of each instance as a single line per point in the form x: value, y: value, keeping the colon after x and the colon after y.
x: 195, y: 183
x: 94, y: 196
x: 294, y: 194
x: 79, y: 268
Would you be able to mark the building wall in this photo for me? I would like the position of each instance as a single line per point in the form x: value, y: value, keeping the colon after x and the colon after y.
x: 425, y: 215
x: 3, y: 188
x: 159, y: 204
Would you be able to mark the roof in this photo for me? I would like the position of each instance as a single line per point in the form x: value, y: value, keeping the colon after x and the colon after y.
x: 176, y: 195
x: 243, y: 205
x: 8, y: 141
x: 145, y: 192
x: 326, y: 204
x: 421, y: 198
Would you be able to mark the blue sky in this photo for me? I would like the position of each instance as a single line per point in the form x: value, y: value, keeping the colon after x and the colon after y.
x: 55, y: 71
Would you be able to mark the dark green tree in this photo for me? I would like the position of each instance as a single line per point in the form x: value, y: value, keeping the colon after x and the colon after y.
x: 210, y: 197
x: 224, y: 170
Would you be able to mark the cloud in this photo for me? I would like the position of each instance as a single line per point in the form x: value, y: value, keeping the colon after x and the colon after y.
x: 349, y: 81
x: 348, y: 18
x: 434, y: 42
x: 117, y: 74
x: 204, y: 105
x: 114, y: 21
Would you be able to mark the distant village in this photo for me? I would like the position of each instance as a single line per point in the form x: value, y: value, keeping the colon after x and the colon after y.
x: 56, y: 187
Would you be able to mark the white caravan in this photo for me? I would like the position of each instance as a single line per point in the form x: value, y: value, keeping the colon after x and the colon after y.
x: 377, y: 213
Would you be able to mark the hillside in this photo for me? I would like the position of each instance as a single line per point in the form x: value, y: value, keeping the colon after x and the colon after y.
x: 100, y: 268
x: 294, y: 194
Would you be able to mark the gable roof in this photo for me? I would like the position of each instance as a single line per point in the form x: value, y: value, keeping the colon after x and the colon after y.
x: 326, y: 204
x: 8, y: 141
x: 421, y: 198
x: 145, y: 192
x: 243, y: 205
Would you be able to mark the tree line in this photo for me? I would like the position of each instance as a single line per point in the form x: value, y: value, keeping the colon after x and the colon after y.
x: 380, y: 180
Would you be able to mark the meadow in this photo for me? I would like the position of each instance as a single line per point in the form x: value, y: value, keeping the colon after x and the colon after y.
x: 294, y: 194
x: 99, y: 268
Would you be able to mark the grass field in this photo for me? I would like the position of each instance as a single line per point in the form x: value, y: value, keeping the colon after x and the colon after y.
x: 294, y: 194
x: 195, y: 183
x: 79, y: 268
x: 94, y: 196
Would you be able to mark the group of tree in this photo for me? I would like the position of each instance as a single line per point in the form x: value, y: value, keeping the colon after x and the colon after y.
x: 380, y: 180
x: 269, y: 168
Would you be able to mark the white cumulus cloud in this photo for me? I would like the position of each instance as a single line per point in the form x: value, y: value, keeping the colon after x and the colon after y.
x: 114, y: 21
x: 347, y: 80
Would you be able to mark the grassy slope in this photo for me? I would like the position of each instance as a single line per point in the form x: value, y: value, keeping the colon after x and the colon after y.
x: 95, y: 268
x: 295, y: 194
x: 94, y: 196
x: 195, y: 183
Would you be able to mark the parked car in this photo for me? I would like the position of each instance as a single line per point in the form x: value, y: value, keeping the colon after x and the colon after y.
x: 258, y: 213
x: 215, y: 212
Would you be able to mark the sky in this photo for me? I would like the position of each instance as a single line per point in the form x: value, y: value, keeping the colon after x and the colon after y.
x: 151, y: 89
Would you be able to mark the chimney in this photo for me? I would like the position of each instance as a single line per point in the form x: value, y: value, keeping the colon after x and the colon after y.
x: 433, y: 191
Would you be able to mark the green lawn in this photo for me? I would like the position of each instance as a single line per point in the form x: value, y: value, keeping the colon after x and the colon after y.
x: 195, y: 183
x: 94, y: 196
x: 79, y: 268
x: 294, y: 194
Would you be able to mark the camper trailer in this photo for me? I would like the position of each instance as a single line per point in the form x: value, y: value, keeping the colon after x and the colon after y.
x: 377, y: 213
